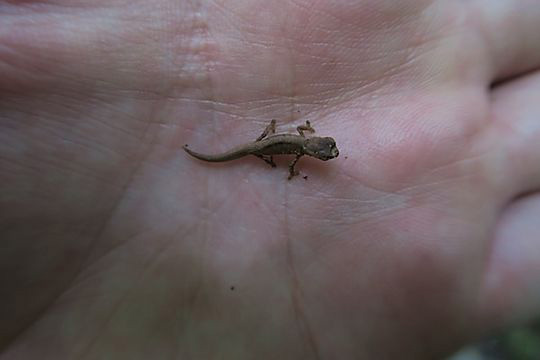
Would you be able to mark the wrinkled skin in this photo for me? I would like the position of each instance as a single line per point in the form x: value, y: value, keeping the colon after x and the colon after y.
x: 421, y: 236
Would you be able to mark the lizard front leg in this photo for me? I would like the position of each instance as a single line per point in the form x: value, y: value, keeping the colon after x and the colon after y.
x: 292, y: 171
x: 306, y: 127
x: 269, y: 129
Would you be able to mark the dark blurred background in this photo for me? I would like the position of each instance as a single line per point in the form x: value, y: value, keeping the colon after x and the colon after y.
x: 518, y: 344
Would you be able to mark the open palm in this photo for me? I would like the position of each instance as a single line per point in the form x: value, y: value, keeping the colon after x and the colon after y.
x: 419, y: 237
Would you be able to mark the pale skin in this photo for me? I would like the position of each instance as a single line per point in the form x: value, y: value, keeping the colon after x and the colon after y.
x: 116, y: 245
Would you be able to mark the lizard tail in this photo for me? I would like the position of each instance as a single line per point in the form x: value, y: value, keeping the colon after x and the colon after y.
x: 230, y: 155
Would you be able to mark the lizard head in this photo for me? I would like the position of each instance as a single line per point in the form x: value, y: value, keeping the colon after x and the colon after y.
x: 323, y: 148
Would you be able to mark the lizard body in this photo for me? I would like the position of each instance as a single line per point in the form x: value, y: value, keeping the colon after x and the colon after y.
x: 322, y: 148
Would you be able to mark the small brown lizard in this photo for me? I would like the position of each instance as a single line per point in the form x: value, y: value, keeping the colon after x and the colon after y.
x: 264, y: 147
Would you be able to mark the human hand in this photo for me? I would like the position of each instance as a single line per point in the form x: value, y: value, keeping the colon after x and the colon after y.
x: 418, y: 238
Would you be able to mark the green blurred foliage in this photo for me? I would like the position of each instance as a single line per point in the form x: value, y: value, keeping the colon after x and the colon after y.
x: 522, y: 344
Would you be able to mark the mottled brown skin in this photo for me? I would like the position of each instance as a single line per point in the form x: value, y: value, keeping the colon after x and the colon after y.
x: 322, y: 148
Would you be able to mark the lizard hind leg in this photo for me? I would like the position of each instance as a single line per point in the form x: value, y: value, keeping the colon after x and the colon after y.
x: 292, y: 171
x: 271, y: 128
x: 306, y: 127
x: 267, y: 159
